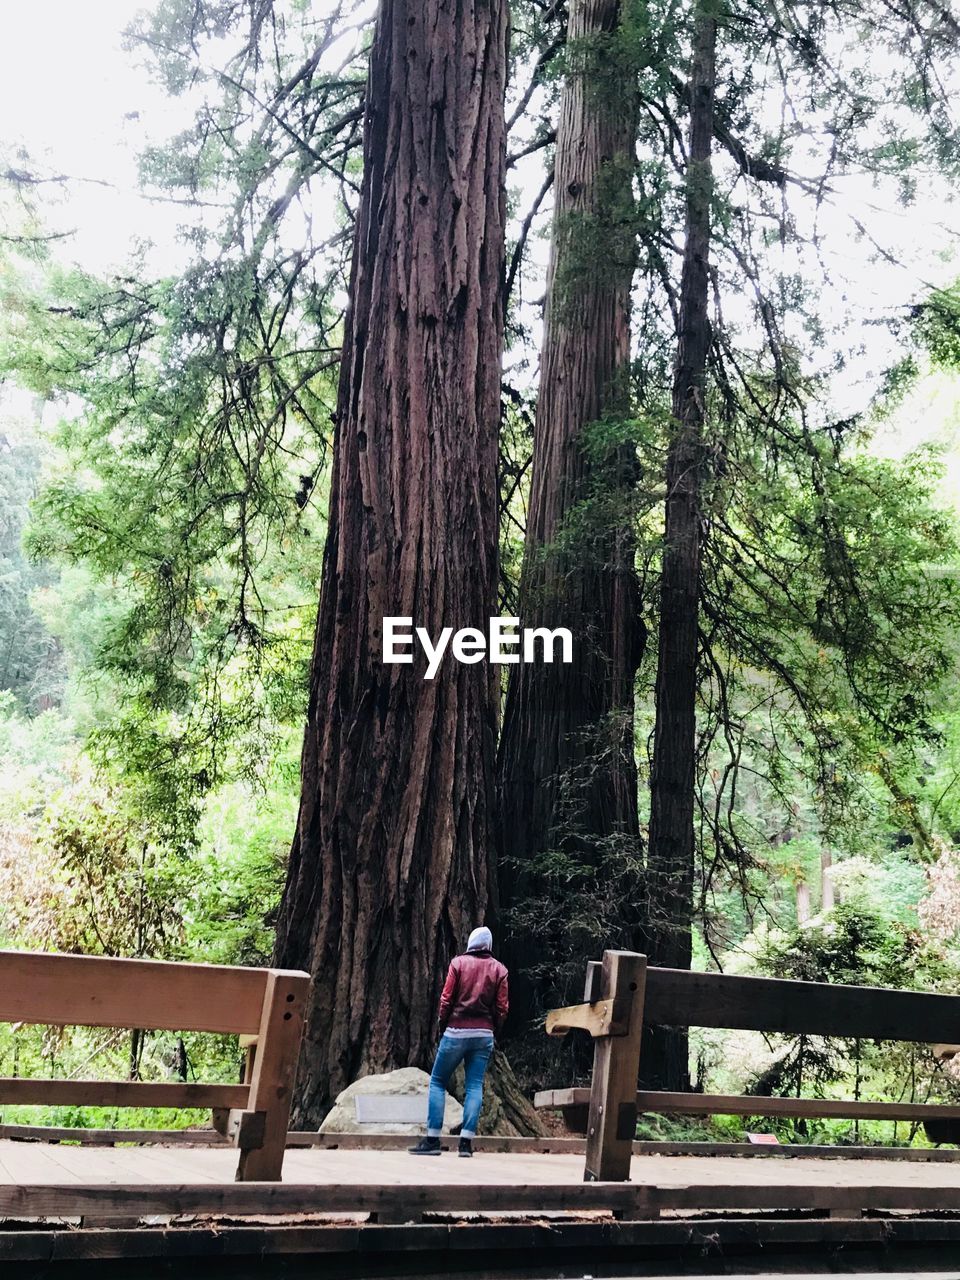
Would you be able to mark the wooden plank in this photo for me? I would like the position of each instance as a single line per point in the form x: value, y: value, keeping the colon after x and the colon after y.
x: 555, y: 1099
x: 797, y: 1151
x: 295, y: 1139
x: 723, y: 1238
x: 249, y: 1058
x: 401, y: 1142
x: 32, y: 1164
x: 799, y: 1108
x: 274, y: 1073
x: 109, y: 1137
x: 309, y: 1138
x: 270, y: 1199
x: 120, y: 1093
x: 163, y: 1164
x: 676, y: 997
x: 69, y: 1200
x: 594, y: 981
x: 576, y: 1146
x: 430, y: 1240
x: 707, y: 1104
x: 612, y: 1122
x: 602, y: 1018
x: 242, y: 1127
x: 98, y: 991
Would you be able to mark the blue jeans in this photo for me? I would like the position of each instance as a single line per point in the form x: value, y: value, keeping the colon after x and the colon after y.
x: 474, y: 1052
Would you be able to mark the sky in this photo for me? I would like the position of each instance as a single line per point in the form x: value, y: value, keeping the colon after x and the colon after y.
x: 82, y: 106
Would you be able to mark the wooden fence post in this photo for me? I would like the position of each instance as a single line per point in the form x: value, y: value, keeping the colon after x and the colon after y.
x: 274, y: 1073
x: 594, y: 981
x: 612, y: 1122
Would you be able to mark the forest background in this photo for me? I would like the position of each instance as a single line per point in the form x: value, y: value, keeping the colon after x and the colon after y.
x: 175, y: 260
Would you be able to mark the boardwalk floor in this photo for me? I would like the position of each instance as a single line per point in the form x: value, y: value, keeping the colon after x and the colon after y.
x: 40, y: 1164
x: 377, y: 1213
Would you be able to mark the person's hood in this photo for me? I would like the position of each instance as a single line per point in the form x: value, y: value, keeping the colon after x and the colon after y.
x: 481, y: 939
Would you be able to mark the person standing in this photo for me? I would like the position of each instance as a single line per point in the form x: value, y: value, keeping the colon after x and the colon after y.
x: 473, y: 1010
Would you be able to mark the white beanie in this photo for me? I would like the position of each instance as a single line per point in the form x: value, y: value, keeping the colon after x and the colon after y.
x: 480, y: 940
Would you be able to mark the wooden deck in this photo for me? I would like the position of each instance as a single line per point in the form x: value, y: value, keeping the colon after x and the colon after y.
x: 40, y: 1180
x: 42, y: 1164
x: 71, y: 1204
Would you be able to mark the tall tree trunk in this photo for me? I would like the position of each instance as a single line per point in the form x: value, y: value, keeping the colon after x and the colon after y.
x: 670, y: 861
x: 391, y: 861
x: 566, y: 768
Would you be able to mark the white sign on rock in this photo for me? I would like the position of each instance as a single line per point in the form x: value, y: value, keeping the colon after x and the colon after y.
x: 395, y: 1102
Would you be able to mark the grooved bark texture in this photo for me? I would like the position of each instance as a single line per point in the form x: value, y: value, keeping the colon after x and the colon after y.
x: 670, y: 861
x: 566, y: 769
x: 390, y: 864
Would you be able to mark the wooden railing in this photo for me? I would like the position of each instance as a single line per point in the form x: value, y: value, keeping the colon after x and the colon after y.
x: 263, y: 1006
x: 622, y: 994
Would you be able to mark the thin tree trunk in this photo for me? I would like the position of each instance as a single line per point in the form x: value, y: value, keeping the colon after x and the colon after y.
x: 135, y: 1054
x: 566, y: 769
x: 827, y: 887
x: 803, y: 902
x: 391, y: 861
x: 670, y: 863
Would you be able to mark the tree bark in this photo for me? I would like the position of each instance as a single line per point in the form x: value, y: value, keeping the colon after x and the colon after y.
x: 827, y: 887
x: 566, y: 769
x: 803, y: 902
x: 391, y: 861
x: 671, y: 856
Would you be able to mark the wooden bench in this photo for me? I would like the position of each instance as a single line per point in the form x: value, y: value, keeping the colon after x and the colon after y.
x: 622, y: 994
x: 265, y: 1007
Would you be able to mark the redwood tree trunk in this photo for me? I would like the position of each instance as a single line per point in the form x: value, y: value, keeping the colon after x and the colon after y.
x: 391, y: 861
x: 566, y: 770
x: 670, y: 862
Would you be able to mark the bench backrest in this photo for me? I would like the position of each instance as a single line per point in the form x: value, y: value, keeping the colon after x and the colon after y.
x: 158, y: 995
x: 623, y: 995
x: 677, y: 997
x: 265, y: 1005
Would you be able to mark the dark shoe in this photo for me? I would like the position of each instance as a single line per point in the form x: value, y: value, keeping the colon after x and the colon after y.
x: 465, y: 1148
x: 426, y: 1147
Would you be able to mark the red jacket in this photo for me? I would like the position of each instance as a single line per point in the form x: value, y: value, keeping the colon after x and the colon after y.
x: 475, y: 993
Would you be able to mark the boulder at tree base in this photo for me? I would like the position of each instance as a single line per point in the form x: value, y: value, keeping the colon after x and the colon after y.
x: 342, y: 1117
